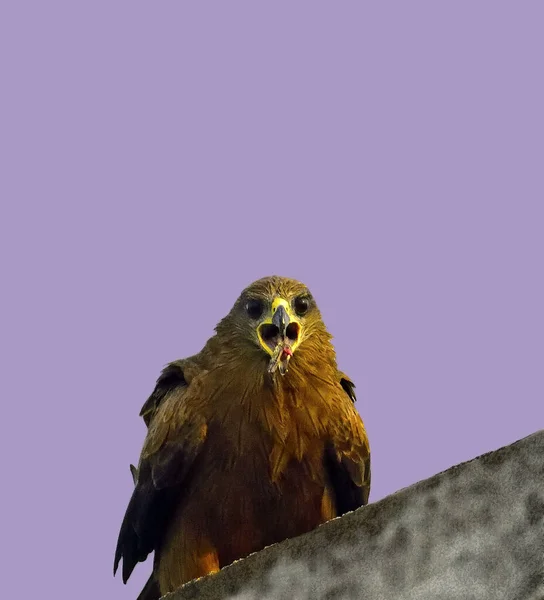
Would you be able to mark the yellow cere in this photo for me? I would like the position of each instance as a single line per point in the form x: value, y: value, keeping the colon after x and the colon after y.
x: 281, y: 302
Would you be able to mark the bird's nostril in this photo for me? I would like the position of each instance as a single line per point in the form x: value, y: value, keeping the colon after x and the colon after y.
x: 292, y: 331
x: 269, y: 332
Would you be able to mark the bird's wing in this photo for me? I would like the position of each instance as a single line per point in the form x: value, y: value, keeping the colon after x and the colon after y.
x: 347, y: 385
x: 347, y: 455
x: 171, y: 377
x: 174, y: 439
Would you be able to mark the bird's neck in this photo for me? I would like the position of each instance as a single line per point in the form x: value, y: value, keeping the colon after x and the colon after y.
x: 240, y: 371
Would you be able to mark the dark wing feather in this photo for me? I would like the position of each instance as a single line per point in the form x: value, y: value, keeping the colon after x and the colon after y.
x: 144, y: 520
x: 348, y: 386
x: 347, y: 454
x: 173, y: 442
x: 171, y: 377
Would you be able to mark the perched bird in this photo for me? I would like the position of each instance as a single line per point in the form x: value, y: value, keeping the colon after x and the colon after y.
x: 251, y: 441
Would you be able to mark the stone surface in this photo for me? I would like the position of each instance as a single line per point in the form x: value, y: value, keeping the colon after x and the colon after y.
x: 473, y: 532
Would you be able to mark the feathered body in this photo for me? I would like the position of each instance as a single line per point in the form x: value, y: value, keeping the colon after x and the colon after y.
x: 237, y: 458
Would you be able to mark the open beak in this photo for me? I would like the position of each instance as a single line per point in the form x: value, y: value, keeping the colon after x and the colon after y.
x: 280, y: 319
x: 279, y: 335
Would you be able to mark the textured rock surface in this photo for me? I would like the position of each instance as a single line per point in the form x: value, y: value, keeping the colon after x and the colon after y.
x: 473, y: 532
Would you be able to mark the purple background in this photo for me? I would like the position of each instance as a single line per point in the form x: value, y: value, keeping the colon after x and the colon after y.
x: 156, y: 159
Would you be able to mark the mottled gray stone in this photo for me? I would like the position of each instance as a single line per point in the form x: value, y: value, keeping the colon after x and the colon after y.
x: 473, y: 532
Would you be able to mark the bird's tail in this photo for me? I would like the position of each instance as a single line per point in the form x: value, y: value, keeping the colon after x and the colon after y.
x: 151, y: 590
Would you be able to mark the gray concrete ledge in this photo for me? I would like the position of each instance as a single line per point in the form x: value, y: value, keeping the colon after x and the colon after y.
x: 473, y: 532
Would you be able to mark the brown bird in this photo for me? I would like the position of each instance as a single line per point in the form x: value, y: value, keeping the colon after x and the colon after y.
x: 254, y: 440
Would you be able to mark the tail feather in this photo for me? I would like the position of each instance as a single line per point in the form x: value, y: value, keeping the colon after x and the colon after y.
x: 151, y: 590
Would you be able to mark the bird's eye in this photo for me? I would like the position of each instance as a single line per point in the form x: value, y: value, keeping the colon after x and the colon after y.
x: 254, y: 308
x: 301, y: 305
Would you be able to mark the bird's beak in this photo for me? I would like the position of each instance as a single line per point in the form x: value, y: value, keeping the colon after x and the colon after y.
x: 279, y: 335
x: 281, y: 319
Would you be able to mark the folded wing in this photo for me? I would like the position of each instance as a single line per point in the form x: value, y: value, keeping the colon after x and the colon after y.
x: 175, y: 437
x: 347, y: 454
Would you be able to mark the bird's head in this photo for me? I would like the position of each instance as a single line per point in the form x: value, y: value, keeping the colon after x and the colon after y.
x: 278, y: 316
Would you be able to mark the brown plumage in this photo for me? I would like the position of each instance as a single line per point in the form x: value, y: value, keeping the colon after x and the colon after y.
x: 251, y: 441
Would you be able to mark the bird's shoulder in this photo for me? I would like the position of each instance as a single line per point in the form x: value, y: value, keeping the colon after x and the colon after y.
x: 176, y: 377
x: 347, y: 385
x: 175, y: 412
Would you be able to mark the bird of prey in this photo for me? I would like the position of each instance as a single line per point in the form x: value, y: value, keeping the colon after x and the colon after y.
x: 254, y: 440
